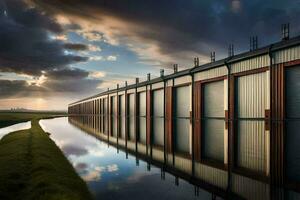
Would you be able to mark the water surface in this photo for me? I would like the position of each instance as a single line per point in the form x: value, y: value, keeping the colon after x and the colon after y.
x: 107, y: 171
x: 16, y: 127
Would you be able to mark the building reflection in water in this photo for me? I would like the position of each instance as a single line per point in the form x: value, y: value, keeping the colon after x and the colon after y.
x: 212, y: 179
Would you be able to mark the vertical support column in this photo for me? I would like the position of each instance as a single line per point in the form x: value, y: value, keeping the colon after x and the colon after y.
x: 169, y: 119
x: 149, y: 120
x: 277, y: 173
x: 126, y: 117
x: 197, y: 119
x: 136, y: 120
x: 232, y: 123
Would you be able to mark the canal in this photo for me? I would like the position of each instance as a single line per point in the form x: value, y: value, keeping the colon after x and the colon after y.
x: 110, y: 174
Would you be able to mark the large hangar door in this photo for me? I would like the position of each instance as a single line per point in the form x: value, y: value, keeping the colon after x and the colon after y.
x: 251, y: 104
x: 131, y: 117
x: 142, y: 117
x: 158, y: 117
x: 114, y: 114
x: 213, y: 121
x: 122, y: 115
x: 292, y: 77
x: 182, y: 104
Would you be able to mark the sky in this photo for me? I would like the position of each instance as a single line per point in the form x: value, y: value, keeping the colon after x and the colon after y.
x: 54, y: 52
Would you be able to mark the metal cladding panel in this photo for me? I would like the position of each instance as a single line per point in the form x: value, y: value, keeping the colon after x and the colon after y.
x: 250, y: 188
x: 182, y: 102
x: 287, y: 55
x: 121, y: 142
x: 250, y: 64
x: 211, y: 175
x: 158, y: 117
x: 142, y: 148
x: 131, y: 145
x: 157, y: 85
x: 114, y: 114
x: 158, y: 154
x: 142, y: 117
x: 131, y: 116
x: 292, y: 77
x: 252, y: 101
x: 183, y: 164
x: 182, y: 80
x: 122, y: 115
x: 211, y: 73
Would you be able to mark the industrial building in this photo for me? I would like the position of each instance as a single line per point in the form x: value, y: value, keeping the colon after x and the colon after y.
x: 231, y: 125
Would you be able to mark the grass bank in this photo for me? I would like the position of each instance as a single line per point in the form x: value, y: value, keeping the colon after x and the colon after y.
x: 33, y: 167
x: 11, y: 118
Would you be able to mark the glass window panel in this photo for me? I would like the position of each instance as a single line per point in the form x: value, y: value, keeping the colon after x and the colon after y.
x: 213, y: 139
x: 158, y: 131
x: 182, y: 139
x: 214, y: 99
x: 182, y: 101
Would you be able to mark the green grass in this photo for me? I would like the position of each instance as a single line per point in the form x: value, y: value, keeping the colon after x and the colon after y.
x: 11, y: 118
x: 33, y: 167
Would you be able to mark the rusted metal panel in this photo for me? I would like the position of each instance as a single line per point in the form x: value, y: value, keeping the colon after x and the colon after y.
x: 277, y: 126
x: 197, y: 118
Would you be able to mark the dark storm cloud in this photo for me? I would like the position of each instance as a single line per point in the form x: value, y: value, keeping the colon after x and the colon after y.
x: 75, y: 47
x: 10, y: 88
x: 26, y: 46
x: 62, y: 85
x: 67, y: 73
x: 199, y: 26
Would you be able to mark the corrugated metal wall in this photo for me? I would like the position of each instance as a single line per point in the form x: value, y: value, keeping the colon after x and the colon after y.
x: 212, y: 73
x: 250, y: 64
x: 250, y: 188
x: 251, y: 97
x: 286, y: 55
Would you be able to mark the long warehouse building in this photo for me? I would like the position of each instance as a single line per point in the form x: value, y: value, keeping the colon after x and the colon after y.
x: 232, y: 123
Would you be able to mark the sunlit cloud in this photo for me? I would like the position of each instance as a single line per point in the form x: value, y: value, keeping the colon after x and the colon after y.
x: 97, y: 74
x: 111, y: 58
x: 96, y: 58
x: 93, y: 175
x: 112, y: 168
x: 94, y: 48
